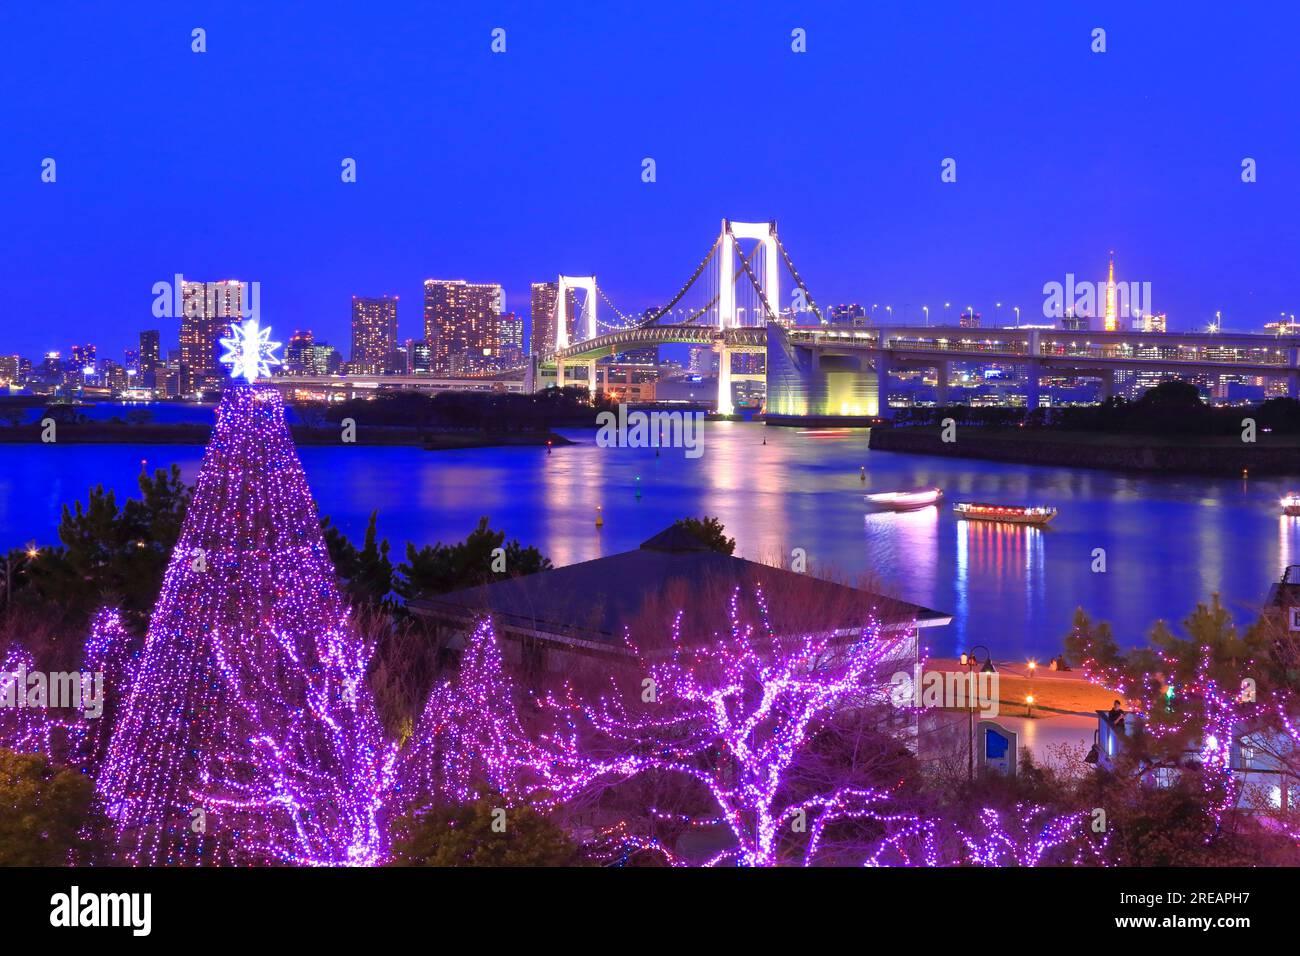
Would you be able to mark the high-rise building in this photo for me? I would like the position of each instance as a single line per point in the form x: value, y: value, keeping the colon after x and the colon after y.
x: 1158, y: 322
x: 541, y: 316
x: 297, y: 353
x: 10, y: 370
x: 83, y: 358
x: 51, y: 371
x: 421, y: 357
x: 112, y: 375
x: 460, y: 323
x: 969, y: 319
x: 150, y: 358
x: 324, y: 359
x: 79, y: 368
x: 374, y: 335
x: 509, y: 339
x: 208, y: 309
x: 1111, y: 319
x: 703, y: 360
x: 304, y: 354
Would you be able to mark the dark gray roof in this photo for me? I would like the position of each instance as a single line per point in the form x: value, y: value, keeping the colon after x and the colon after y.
x: 674, y: 538
x: 596, y: 601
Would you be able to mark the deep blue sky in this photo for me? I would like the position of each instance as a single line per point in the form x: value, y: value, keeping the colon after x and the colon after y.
x: 515, y: 167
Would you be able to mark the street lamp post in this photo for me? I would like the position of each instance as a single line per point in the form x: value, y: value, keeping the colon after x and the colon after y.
x: 969, y: 659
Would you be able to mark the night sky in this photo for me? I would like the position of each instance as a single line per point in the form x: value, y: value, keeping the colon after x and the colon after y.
x: 514, y: 167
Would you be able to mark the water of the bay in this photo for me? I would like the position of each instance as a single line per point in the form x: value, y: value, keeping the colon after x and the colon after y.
x: 1168, y: 542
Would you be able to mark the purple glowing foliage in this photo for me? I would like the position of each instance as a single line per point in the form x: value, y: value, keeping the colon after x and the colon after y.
x: 1208, y: 719
x: 26, y: 724
x: 735, y: 715
x: 469, y: 739
x: 1029, y: 836
x: 321, y: 768
x: 250, y: 734
x: 107, y: 651
x: 29, y: 721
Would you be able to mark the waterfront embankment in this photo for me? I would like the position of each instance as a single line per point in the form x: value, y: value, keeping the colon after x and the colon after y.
x: 118, y: 433
x: 1224, y: 456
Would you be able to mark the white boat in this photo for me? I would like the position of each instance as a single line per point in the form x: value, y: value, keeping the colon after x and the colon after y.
x: 1291, y: 504
x: 905, y: 500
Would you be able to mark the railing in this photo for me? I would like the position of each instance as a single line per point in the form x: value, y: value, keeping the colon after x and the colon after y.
x: 1167, y: 352
x: 858, y: 336
x: 737, y: 336
x: 961, y: 345
x: 1168, y: 349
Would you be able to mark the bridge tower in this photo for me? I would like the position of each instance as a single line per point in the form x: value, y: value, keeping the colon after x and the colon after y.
x: 588, y: 285
x: 765, y: 233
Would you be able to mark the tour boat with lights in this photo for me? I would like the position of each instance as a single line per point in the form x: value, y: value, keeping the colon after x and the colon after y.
x: 1014, y: 514
x: 905, y: 500
x: 1291, y: 504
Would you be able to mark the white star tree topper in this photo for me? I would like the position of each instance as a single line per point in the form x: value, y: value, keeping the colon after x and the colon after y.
x: 250, y: 353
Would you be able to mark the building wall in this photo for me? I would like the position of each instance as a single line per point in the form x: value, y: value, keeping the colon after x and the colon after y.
x: 541, y: 316
x: 207, y: 311
x: 374, y: 335
x: 460, y: 324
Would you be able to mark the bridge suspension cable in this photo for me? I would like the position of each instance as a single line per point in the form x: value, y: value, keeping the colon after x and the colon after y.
x: 689, y: 282
x: 798, y: 279
x: 631, y: 322
x: 713, y: 302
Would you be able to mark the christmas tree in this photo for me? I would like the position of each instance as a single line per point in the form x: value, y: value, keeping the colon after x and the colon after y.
x: 469, y: 740
x: 107, y: 660
x: 25, y: 723
x: 250, y: 734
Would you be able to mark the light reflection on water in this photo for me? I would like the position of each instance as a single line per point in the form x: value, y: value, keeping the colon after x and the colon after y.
x: 1169, y: 542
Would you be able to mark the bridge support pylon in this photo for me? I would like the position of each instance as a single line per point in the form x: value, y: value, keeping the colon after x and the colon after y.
x: 1032, y: 371
x: 725, y: 405
x: 942, y: 371
x: 764, y: 233
x: 883, y: 409
x: 563, y: 285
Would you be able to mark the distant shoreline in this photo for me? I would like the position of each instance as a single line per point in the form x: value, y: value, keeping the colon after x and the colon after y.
x: 1174, y: 455
x: 116, y: 433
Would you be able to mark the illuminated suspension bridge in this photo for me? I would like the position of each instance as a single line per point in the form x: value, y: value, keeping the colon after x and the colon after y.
x: 725, y: 304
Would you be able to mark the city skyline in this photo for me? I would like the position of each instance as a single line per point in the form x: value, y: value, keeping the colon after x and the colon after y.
x: 1049, y: 180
